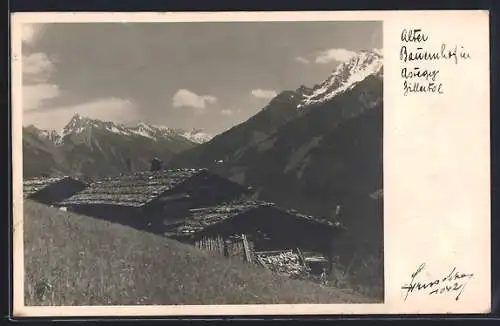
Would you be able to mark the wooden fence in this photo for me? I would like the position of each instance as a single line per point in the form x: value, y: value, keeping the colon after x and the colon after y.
x: 211, y: 245
x: 241, y: 248
x: 237, y: 247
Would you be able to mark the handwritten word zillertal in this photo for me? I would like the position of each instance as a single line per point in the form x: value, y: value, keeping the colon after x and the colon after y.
x: 452, y: 283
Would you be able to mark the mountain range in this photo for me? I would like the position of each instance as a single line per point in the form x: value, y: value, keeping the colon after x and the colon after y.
x: 92, y: 147
x: 316, y: 149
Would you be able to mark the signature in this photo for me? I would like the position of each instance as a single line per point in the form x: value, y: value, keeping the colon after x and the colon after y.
x: 452, y: 283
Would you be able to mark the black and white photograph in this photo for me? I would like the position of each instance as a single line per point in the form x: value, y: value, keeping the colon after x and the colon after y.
x: 202, y: 163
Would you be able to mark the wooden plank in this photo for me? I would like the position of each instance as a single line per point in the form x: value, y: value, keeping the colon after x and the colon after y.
x: 260, y: 261
x: 248, y: 256
x: 301, y: 257
x: 272, y: 252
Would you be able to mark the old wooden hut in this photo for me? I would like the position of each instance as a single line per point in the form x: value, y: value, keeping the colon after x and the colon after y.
x: 51, y: 190
x: 264, y: 226
x: 146, y: 199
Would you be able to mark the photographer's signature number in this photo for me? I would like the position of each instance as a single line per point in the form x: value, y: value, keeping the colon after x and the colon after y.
x: 452, y: 283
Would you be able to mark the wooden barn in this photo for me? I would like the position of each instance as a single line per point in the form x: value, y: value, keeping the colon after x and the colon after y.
x: 147, y: 199
x: 261, y: 227
x: 51, y: 190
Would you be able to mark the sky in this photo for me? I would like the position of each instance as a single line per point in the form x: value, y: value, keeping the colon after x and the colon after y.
x: 192, y: 75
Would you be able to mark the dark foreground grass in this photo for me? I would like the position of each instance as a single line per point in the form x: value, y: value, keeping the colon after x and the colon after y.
x: 78, y: 260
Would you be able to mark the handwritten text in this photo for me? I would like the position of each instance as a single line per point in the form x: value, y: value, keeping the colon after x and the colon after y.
x: 453, y: 283
x: 414, y: 53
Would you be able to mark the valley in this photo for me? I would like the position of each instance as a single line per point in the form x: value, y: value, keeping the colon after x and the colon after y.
x: 318, y: 150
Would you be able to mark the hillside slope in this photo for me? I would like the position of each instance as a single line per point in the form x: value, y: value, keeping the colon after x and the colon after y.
x: 320, y: 161
x: 289, y: 106
x: 329, y: 153
x: 279, y: 111
x: 78, y: 260
x: 41, y: 155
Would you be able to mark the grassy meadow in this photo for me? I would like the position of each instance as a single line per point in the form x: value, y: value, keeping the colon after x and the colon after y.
x: 73, y: 259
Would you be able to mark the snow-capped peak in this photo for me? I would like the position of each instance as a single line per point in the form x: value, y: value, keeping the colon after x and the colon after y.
x: 345, y: 76
x: 79, y: 124
x: 153, y: 131
x: 76, y: 125
x: 197, y: 136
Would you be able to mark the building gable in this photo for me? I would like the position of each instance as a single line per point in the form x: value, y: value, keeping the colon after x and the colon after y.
x: 52, y: 190
x: 245, y: 216
x: 151, y: 188
x: 131, y: 190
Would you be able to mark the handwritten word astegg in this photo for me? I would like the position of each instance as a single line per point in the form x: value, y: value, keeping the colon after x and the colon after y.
x: 416, y: 72
x: 452, y: 283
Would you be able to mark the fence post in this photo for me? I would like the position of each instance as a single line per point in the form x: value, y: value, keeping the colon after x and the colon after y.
x: 225, y: 248
x: 301, y: 256
x: 248, y: 256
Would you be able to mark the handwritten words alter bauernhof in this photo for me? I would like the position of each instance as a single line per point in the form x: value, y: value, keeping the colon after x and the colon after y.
x: 413, y: 54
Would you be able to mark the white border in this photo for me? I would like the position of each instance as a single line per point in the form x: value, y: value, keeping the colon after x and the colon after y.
x: 392, y: 305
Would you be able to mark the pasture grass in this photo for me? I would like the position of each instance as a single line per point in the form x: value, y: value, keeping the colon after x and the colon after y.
x: 73, y: 259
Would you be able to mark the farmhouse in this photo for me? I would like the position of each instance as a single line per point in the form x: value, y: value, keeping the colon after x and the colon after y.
x: 260, y: 226
x: 148, y: 199
x: 51, y: 190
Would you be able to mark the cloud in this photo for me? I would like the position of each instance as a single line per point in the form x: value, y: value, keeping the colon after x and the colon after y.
x: 36, y: 71
x: 113, y: 109
x: 264, y: 93
x: 331, y: 55
x: 226, y: 112
x: 36, y: 68
x: 35, y: 95
x: 31, y: 32
x: 37, y: 88
x: 186, y: 98
x: 302, y: 60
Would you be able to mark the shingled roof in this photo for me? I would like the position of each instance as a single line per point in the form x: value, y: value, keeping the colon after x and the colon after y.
x: 202, y: 218
x: 132, y: 190
x: 33, y: 185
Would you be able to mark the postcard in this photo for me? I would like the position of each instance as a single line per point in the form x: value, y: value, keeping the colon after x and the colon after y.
x: 250, y: 163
